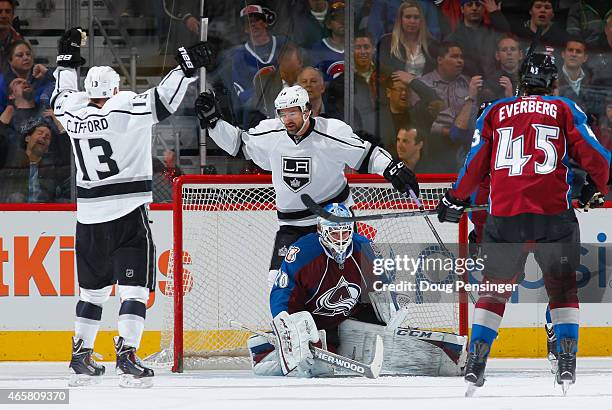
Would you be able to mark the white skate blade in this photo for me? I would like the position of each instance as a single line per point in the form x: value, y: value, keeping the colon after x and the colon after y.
x: 80, y: 380
x: 554, y: 364
x: 471, y: 389
x: 565, y: 386
x: 132, y: 382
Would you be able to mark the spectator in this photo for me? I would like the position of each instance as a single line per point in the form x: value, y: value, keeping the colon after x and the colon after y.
x: 7, y: 33
x: 541, y: 15
x: 600, y: 65
x: 574, y: 82
x: 586, y: 19
x: 257, y: 55
x: 408, y: 49
x: 451, y: 130
x: 23, y: 110
x: 363, y: 103
x: 310, y: 25
x: 477, y: 40
x: 311, y: 79
x: 409, y: 146
x: 290, y: 63
x: 503, y: 82
x: 31, y: 174
x: 21, y: 65
x: 328, y: 54
x: 604, y: 129
x: 398, y: 111
x: 383, y: 17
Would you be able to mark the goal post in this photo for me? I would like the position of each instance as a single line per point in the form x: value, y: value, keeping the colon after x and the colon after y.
x: 224, y: 228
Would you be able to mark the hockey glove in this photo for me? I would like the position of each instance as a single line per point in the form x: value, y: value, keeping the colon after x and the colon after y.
x: 401, y: 177
x: 69, y: 48
x: 192, y: 58
x: 590, y: 197
x: 450, y: 208
x: 207, y: 110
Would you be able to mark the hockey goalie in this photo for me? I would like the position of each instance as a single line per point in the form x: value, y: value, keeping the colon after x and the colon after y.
x: 324, y: 295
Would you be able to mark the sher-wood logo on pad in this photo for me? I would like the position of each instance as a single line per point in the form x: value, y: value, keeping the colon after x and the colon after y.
x: 296, y: 172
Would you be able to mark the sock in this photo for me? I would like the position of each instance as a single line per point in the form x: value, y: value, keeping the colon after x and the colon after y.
x: 487, y: 317
x: 565, y: 319
x: 131, y: 321
x: 87, y: 322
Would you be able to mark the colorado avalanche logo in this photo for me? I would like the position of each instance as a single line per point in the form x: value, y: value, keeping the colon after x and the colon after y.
x: 338, y: 300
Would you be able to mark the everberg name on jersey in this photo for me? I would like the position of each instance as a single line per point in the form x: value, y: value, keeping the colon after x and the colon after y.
x: 78, y: 127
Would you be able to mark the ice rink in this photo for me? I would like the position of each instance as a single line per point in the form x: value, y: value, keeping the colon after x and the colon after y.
x: 511, y: 384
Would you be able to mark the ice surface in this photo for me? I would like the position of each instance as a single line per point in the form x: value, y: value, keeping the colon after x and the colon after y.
x: 511, y: 384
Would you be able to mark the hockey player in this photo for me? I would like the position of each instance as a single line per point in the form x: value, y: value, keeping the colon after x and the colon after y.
x: 326, y: 284
x: 110, y: 132
x: 306, y: 156
x: 525, y: 143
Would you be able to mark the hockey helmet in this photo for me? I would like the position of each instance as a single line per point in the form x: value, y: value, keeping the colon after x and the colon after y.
x: 294, y: 96
x: 539, y: 71
x: 101, y: 82
x: 336, y: 237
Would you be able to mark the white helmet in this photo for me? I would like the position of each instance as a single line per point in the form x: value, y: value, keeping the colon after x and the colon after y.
x: 337, y: 237
x: 101, y: 82
x: 294, y: 96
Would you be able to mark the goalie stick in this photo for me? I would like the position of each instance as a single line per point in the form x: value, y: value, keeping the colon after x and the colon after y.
x: 371, y: 370
x: 318, y: 210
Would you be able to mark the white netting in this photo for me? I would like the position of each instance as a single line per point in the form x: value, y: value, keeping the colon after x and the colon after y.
x: 228, y: 234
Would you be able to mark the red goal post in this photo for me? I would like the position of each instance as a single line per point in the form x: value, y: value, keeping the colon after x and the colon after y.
x: 244, y: 198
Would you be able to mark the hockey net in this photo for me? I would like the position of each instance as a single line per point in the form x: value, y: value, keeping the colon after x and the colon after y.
x: 224, y: 227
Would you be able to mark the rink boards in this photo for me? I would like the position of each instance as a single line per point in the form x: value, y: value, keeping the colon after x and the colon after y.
x: 38, y: 289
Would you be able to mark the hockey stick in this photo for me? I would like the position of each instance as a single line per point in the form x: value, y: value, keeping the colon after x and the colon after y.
x: 318, y: 210
x: 371, y: 370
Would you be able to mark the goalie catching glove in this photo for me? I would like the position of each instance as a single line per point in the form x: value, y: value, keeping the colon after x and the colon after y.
x: 450, y: 208
x: 69, y: 48
x: 207, y: 109
x: 590, y: 197
x: 193, y: 58
x: 401, y: 177
x: 294, y: 333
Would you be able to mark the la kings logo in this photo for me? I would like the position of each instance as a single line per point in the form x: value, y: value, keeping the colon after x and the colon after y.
x: 338, y: 300
x: 296, y: 172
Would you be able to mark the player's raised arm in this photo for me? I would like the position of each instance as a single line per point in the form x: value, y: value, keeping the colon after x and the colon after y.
x: 68, y: 58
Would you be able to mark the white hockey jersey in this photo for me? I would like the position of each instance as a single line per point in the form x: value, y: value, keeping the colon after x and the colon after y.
x: 112, y: 144
x: 313, y: 164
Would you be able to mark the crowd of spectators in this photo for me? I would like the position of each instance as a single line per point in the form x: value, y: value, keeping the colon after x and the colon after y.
x: 421, y: 70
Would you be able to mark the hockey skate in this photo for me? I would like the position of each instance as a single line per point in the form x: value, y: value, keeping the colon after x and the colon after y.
x: 86, y: 370
x: 551, y: 345
x: 475, y: 367
x: 566, y: 372
x: 131, y: 371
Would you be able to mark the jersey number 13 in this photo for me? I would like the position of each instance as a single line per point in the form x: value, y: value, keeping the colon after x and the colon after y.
x: 98, y: 153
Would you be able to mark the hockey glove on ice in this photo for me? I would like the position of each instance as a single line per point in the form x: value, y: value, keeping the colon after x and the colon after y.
x: 192, y: 58
x: 450, y: 208
x: 590, y: 197
x: 69, y: 48
x: 207, y: 110
x: 401, y: 177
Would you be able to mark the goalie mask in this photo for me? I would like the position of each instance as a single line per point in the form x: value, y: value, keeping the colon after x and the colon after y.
x: 102, y: 82
x: 295, y: 96
x: 336, y: 237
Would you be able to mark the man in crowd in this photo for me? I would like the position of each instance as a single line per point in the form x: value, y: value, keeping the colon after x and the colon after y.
x: 502, y: 82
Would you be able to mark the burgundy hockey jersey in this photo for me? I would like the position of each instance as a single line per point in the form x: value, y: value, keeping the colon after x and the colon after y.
x: 525, y: 143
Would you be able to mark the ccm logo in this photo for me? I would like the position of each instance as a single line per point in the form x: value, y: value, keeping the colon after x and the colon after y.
x: 185, y: 56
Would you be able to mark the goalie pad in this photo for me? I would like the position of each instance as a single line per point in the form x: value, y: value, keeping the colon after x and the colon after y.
x: 265, y: 360
x: 294, y: 333
x: 408, y: 352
